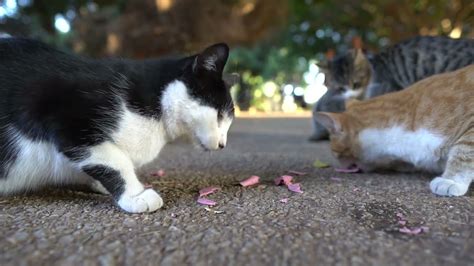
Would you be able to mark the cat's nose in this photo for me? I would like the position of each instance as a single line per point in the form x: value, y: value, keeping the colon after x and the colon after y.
x: 221, y: 145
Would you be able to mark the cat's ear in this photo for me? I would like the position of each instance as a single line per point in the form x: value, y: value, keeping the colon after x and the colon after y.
x: 212, y: 59
x: 230, y: 79
x: 358, y: 56
x: 323, y: 66
x: 331, y: 121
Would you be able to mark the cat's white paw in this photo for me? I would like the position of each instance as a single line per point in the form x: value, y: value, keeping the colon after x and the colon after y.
x: 147, y: 201
x: 448, y: 187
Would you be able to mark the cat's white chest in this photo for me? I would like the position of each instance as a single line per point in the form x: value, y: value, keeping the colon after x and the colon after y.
x: 140, y: 137
x: 420, y: 148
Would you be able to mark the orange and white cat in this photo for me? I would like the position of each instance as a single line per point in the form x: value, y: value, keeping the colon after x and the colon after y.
x: 429, y: 126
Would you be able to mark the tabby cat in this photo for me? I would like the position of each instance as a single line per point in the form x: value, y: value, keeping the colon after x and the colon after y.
x: 429, y: 126
x: 361, y: 76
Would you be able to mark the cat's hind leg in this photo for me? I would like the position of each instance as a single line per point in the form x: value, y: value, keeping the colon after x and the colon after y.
x: 459, y: 171
x: 115, y: 172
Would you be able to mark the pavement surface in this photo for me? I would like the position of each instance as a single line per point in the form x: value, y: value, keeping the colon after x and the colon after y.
x: 346, y: 221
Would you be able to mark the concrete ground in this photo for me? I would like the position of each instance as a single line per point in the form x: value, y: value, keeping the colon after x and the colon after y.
x: 334, y: 222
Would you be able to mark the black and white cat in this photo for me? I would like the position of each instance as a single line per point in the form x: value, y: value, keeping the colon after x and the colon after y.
x: 66, y: 119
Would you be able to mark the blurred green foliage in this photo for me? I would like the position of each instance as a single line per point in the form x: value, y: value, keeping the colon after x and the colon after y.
x: 313, y: 28
x: 318, y: 26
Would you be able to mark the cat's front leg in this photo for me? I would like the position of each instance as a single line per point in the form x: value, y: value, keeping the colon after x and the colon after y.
x: 449, y: 186
x: 114, y: 170
x: 459, y: 171
x: 97, y: 187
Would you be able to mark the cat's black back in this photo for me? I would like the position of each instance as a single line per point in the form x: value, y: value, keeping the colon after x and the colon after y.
x: 57, y: 97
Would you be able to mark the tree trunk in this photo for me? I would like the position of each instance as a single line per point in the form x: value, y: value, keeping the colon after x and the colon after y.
x: 148, y: 28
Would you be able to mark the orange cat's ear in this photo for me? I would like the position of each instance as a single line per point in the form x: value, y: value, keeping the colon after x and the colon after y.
x: 331, y: 121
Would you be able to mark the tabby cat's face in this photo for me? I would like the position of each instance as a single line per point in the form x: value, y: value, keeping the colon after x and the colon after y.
x: 349, y: 73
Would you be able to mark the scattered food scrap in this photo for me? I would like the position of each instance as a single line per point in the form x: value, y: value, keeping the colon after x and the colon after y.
x: 320, y: 164
x: 159, y: 173
x: 414, y: 230
x: 296, y: 172
x: 284, y: 179
x: 287, y: 180
x: 205, y: 201
x: 204, y: 192
x: 356, y: 189
x: 207, y: 190
x: 250, y: 181
x: 400, y: 216
x: 351, y: 169
x: 410, y: 230
x: 173, y: 215
x: 213, y: 211
x: 296, y: 187
x: 402, y: 222
x: 335, y: 178
x: 148, y: 185
x: 284, y: 200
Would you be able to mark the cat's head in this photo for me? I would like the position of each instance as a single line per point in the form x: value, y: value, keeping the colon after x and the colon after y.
x: 349, y: 73
x: 202, y: 103
x: 343, y: 134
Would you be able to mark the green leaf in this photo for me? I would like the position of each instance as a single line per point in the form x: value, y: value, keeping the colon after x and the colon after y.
x: 320, y: 164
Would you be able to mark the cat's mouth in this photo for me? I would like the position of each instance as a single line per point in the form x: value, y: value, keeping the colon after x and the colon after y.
x: 204, y: 147
x: 351, y: 168
x: 200, y: 144
x: 197, y: 143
